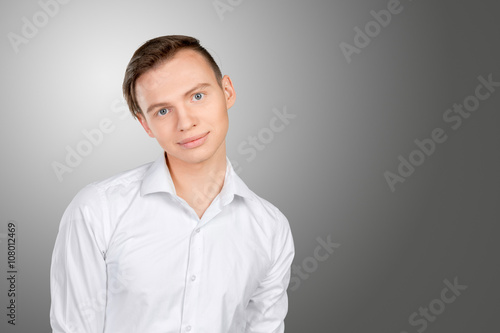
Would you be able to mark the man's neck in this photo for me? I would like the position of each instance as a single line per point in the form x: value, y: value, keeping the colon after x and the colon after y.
x: 198, y: 183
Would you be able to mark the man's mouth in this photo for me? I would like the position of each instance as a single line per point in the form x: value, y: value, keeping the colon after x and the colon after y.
x: 194, y: 141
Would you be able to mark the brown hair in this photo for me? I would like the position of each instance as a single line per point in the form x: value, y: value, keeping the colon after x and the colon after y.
x: 152, y: 54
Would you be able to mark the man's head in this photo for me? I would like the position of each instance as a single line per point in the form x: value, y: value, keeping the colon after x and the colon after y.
x: 152, y: 54
x: 177, y: 92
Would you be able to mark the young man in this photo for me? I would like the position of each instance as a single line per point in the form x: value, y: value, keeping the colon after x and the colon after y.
x: 180, y: 244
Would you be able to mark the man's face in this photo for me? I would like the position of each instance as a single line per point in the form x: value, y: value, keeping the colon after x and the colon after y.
x: 182, y: 100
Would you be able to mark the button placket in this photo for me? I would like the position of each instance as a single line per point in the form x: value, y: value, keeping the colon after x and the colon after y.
x: 191, y: 285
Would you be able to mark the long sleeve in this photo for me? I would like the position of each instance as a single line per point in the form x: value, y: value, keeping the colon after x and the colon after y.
x: 78, y: 269
x: 269, y: 304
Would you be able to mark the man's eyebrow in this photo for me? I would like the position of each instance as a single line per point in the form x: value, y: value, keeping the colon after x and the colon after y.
x: 187, y: 93
x: 197, y: 87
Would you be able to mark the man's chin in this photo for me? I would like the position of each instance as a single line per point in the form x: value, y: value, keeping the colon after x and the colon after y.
x: 189, y: 156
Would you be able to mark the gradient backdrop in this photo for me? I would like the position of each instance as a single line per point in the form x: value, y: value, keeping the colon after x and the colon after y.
x: 360, y: 90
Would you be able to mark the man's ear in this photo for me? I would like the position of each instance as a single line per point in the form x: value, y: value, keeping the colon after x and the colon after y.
x: 145, y: 125
x: 229, y: 93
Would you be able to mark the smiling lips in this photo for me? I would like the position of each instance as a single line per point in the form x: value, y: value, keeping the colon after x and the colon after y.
x: 194, y: 141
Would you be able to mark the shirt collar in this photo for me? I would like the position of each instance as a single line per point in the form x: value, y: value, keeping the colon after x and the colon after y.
x: 158, y: 179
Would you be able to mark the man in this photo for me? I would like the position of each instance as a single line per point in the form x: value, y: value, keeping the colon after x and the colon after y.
x: 180, y: 244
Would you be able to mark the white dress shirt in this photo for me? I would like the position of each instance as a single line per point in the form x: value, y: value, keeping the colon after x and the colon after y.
x: 132, y: 256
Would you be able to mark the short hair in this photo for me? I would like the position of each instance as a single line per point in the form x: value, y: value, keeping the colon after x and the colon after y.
x: 152, y: 54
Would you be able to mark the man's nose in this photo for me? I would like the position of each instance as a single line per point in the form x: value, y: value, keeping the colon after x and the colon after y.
x: 185, y: 118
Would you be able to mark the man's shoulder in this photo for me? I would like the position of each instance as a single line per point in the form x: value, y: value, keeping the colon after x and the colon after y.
x: 267, y: 210
x: 122, y: 180
x: 270, y: 219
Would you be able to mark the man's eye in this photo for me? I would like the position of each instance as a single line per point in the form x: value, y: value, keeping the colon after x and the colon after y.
x: 198, y: 96
x: 163, y: 112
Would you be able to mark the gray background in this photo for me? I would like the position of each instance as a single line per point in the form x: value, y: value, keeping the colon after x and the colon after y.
x: 325, y: 170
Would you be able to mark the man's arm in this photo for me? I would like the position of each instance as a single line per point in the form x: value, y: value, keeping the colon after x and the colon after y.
x: 269, y: 303
x: 78, y: 270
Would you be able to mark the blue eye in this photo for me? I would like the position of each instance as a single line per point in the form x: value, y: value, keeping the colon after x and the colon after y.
x: 162, y: 112
x: 198, y: 96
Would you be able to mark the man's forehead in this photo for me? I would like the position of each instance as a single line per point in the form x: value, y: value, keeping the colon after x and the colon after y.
x: 183, y: 65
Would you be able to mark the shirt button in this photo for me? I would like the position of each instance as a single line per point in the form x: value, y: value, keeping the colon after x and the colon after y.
x: 193, y: 277
x: 197, y: 230
x: 188, y: 328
